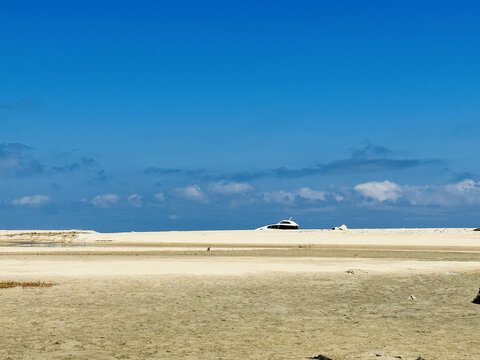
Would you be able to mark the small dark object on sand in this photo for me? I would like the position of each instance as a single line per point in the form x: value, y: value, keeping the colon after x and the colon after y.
x: 477, y: 229
x: 352, y: 271
x: 477, y: 298
x: 420, y: 358
x: 320, y: 357
x: 208, y: 248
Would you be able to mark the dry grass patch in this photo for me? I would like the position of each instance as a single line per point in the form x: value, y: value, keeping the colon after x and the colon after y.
x: 24, y: 284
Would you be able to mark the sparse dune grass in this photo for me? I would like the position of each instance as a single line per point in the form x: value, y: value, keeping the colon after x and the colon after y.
x: 24, y: 284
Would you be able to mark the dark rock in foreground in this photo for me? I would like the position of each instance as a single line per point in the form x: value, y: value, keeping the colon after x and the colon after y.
x: 477, y: 298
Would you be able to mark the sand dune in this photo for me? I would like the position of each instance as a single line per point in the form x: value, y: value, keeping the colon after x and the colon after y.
x: 438, y: 237
x: 388, y: 237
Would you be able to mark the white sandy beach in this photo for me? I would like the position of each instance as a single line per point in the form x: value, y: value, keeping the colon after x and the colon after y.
x: 241, y: 294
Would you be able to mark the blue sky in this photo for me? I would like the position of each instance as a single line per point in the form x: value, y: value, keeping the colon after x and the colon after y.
x: 164, y: 115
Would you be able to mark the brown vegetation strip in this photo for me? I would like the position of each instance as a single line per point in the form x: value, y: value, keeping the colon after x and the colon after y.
x: 24, y: 284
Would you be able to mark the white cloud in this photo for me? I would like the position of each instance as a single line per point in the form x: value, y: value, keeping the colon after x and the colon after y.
x: 338, y: 198
x: 135, y: 200
x: 280, y: 196
x: 464, y: 187
x: 464, y: 192
x: 230, y: 188
x: 287, y: 197
x: 426, y: 195
x: 105, y: 201
x: 160, y: 197
x: 310, y: 194
x: 33, y: 201
x: 467, y: 191
x: 192, y: 193
x: 380, y: 191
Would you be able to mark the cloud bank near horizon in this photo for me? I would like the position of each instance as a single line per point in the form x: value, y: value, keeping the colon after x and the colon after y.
x: 71, y: 185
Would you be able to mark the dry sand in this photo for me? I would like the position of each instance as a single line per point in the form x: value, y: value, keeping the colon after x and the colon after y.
x: 253, y: 295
